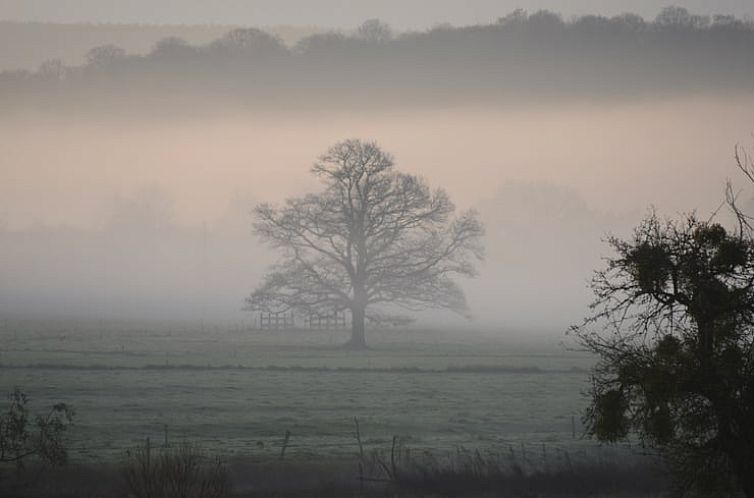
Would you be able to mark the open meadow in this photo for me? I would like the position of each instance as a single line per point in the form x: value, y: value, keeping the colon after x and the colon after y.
x: 237, y: 392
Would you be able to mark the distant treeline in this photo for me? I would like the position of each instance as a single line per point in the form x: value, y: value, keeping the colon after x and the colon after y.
x: 521, y: 56
x: 24, y: 45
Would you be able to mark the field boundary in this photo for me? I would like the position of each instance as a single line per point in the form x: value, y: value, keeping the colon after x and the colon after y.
x: 480, y: 369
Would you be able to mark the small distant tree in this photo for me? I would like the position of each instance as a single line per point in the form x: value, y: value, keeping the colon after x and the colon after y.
x: 372, y: 237
x: 680, y: 18
x: 545, y: 20
x: 517, y: 17
x: 673, y: 326
x: 172, y: 49
x: 629, y: 22
x: 375, y: 31
x: 23, y: 437
x: 248, y: 41
x: 105, y: 55
x: 52, y: 70
x: 147, y: 211
x: 324, y: 45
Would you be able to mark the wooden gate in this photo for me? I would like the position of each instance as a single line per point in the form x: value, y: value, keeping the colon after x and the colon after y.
x: 277, y: 321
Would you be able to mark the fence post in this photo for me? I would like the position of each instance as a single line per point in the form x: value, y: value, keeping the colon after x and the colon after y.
x: 285, y: 443
x: 573, y: 427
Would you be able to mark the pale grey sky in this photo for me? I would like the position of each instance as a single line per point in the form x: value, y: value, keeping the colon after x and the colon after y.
x: 403, y: 14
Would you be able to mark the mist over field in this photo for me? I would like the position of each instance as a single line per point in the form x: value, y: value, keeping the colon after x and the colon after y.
x: 121, y: 216
x: 313, y: 237
x: 415, y: 14
x: 128, y: 181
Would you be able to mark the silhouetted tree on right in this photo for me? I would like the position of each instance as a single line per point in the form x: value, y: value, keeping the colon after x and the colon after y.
x: 673, y: 326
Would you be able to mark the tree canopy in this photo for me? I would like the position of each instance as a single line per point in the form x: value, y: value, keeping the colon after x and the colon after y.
x: 672, y: 324
x: 374, y: 237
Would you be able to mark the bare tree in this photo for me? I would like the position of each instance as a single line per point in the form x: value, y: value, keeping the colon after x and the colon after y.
x: 104, y: 55
x: 372, y: 237
x: 52, y: 70
x: 673, y: 326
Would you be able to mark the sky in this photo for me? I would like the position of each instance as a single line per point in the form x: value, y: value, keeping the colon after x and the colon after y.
x: 403, y: 14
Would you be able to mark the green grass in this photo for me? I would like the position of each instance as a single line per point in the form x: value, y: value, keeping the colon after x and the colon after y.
x: 236, y: 392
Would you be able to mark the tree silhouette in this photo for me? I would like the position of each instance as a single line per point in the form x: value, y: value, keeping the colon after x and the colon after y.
x: 23, y: 437
x: 105, y: 55
x: 521, y: 56
x: 375, y: 31
x: 52, y: 70
x: 248, y: 42
x: 372, y: 237
x: 672, y: 323
x: 172, y: 49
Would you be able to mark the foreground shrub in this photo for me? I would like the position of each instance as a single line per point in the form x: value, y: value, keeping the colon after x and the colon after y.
x: 181, y: 472
x: 23, y: 437
x: 473, y: 473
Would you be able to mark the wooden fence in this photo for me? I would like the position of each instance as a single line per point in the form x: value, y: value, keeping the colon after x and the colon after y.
x: 330, y: 321
x: 277, y: 321
x: 287, y: 321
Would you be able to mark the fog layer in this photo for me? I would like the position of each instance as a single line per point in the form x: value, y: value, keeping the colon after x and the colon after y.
x: 330, y: 13
x: 121, y: 217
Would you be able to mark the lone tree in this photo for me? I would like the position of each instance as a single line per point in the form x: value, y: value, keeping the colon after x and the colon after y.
x: 371, y: 237
x: 672, y: 324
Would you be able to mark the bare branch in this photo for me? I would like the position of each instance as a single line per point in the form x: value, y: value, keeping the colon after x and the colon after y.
x: 372, y: 236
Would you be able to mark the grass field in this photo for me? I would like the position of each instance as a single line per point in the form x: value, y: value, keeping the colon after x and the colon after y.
x: 236, y: 392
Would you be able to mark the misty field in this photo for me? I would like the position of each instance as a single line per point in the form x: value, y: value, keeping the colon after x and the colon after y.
x: 236, y: 392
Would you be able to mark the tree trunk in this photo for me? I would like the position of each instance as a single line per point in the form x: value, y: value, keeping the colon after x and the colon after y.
x: 747, y: 484
x: 358, y: 340
x: 742, y: 458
